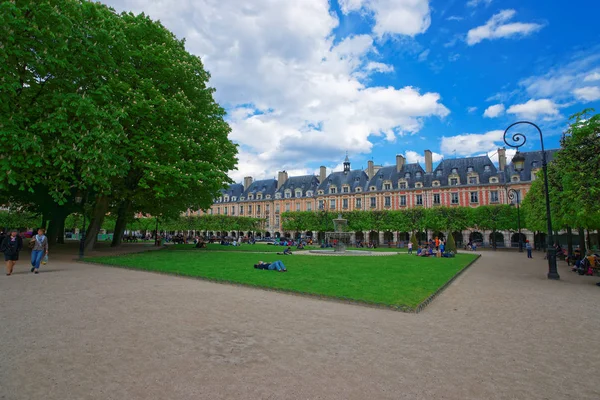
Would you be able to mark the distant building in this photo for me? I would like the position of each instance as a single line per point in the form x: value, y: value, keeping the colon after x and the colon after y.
x: 470, y: 181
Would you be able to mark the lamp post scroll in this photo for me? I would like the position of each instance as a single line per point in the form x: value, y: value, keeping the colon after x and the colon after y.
x: 513, y: 196
x: 516, y: 140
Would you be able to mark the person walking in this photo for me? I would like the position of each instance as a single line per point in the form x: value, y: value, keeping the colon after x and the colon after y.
x: 410, y: 246
x: 39, y: 250
x: 528, y: 247
x: 11, y: 246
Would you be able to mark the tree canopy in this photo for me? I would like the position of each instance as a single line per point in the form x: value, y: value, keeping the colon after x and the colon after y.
x: 106, y: 106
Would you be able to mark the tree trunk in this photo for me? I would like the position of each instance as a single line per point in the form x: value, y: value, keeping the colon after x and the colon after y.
x: 121, y: 223
x: 582, y: 240
x: 569, y: 240
x: 61, y: 230
x: 91, y: 234
x: 57, y: 220
x: 589, y: 240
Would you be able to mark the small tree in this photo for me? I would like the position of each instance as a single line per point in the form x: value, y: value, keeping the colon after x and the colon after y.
x: 451, y: 244
x: 414, y: 240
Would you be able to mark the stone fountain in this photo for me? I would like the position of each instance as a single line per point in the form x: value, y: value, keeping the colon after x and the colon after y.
x: 340, y: 238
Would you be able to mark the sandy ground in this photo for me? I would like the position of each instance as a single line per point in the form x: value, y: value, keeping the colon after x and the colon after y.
x: 500, y: 331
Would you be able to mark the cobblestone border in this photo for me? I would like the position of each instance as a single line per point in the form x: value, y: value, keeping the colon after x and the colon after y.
x: 428, y: 300
x: 344, y: 300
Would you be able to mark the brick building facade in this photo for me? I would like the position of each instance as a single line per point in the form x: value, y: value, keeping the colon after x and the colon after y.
x: 470, y: 181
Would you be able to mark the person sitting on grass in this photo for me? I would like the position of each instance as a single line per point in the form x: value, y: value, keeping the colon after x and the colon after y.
x: 300, y: 246
x: 274, y: 266
x: 286, y: 252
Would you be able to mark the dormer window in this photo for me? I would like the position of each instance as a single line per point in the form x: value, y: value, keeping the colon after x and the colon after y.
x: 438, y: 172
x: 387, y: 186
x: 309, y: 193
x: 418, y: 175
x: 469, y: 169
x: 487, y: 168
x: 372, y: 188
x: 234, y: 198
x: 226, y: 198
x: 418, y: 185
x: 298, y: 193
x: 402, y: 185
x: 515, y: 178
x: 332, y: 190
x: 357, y: 179
x: 277, y: 195
x: 250, y: 197
x: 346, y: 189
x: 259, y: 197
x: 321, y: 192
x: 358, y: 189
x: 455, y: 170
x: 380, y: 176
x: 534, y: 164
x: 493, y: 180
x: 435, y: 183
x: 268, y: 196
x: 288, y: 194
x: 407, y: 175
x: 242, y: 198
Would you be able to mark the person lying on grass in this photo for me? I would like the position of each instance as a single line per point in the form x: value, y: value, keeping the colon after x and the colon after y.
x: 275, y: 265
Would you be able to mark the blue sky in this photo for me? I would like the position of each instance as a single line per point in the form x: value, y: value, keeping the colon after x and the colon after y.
x: 306, y: 81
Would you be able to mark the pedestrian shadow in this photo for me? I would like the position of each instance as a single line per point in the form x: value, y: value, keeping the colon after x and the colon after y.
x: 41, y: 272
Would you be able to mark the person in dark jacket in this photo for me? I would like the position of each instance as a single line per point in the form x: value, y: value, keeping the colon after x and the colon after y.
x: 11, y: 246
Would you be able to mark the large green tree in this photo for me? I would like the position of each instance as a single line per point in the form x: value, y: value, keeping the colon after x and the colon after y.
x: 109, y: 107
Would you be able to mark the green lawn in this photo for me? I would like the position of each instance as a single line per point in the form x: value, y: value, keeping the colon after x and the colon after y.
x: 400, y: 281
x: 264, y: 248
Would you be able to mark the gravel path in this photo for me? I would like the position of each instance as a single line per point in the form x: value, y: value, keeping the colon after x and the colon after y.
x: 500, y: 331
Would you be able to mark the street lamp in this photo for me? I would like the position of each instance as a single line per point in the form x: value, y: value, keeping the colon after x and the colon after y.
x: 517, y: 140
x: 79, y: 201
x: 513, y: 195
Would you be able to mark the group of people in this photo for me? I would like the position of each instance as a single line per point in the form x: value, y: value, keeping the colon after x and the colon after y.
x: 434, y: 248
x: 12, y: 244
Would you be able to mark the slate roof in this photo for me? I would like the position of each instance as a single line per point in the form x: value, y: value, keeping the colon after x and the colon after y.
x: 355, y: 178
x: 390, y: 173
x: 443, y: 171
x: 265, y: 186
x: 533, y: 160
x: 235, y: 189
x: 304, y: 182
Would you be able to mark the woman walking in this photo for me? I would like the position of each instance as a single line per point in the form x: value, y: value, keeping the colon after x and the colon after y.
x: 11, y: 246
x: 39, y: 250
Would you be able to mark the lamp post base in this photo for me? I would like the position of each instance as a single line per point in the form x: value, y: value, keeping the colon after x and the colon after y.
x: 552, y: 268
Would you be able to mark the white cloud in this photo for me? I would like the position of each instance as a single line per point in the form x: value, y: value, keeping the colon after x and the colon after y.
x: 453, y: 57
x: 594, y: 76
x: 403, y: 17
x: 379, y: 67
x: 454, y: 18
x: 588, y: 93
x: 560, y: 82
x: 475, y: 3
x: 494, y: 111
x: 497, y: 27
x: 294, y: 97
x: 423, y: 56
x: 469, y: 144
x: 534, y: 109
x: 471, y: 110
x: 414, y: 157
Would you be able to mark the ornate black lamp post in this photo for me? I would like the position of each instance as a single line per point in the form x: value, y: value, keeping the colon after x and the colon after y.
x: 517, y: 140
x: 79, y: 201
x: 513, y: 195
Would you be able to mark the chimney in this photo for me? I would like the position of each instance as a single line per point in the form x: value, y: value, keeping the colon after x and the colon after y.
x: 428, y: 162
x: 370, y: 169
x: 247, y: 182
x: 501, y: 159
x: 322, y: 174
x: 399, y: 162
x: 282, y: 176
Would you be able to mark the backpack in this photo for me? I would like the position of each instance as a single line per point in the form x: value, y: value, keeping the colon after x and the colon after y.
x: 31, y: 243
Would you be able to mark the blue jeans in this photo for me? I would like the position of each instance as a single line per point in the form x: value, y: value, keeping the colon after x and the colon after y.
x: 529, y: 253
x: 36, y: 258
x: 278, y: 265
